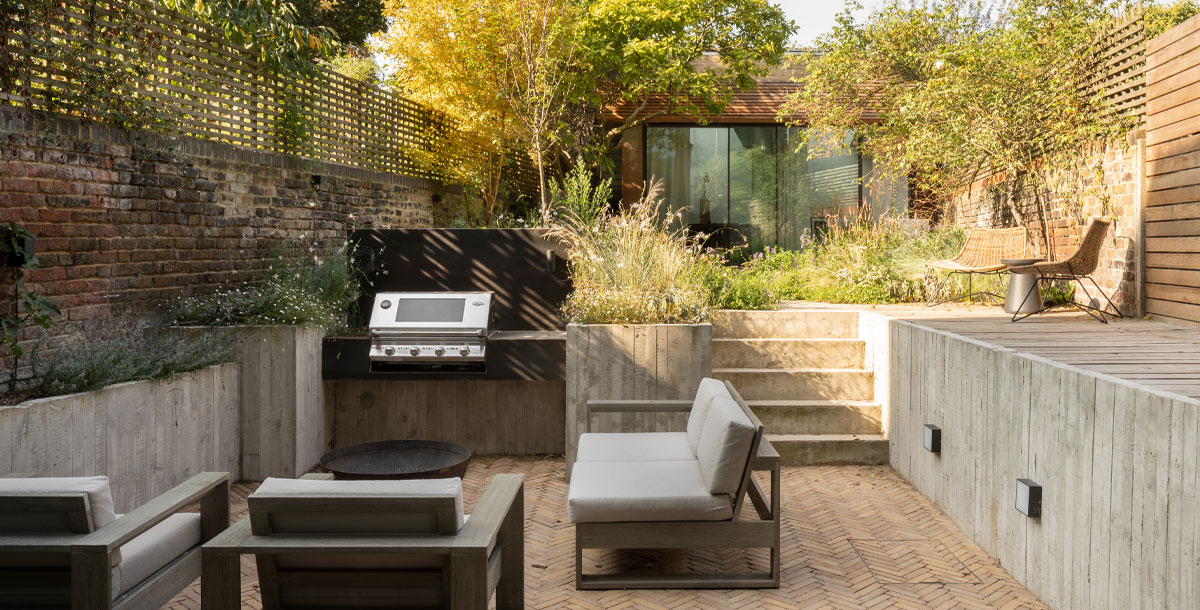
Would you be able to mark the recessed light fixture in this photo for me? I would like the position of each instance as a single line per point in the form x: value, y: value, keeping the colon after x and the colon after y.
x: 1029, y: 498
x: 933, y: 438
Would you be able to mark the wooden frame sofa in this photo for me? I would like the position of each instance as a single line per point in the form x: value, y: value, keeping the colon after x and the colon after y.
x: 321, y: 543
x: 676, y: 490
x: 62, y: 545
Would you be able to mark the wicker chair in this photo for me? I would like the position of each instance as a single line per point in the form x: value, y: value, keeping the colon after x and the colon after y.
x: 981, y: 255
x: 1076, y: 268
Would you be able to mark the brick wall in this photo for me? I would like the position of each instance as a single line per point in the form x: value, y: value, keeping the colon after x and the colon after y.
x: 1105, y: 184
x: 125, y: 221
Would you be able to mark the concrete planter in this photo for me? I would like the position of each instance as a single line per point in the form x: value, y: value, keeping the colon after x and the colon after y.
x: 146, y: 436
x: 282, y: 410
x: 632, y: 361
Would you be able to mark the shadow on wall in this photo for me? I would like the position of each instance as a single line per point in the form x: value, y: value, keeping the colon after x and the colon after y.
x: 527, y: 271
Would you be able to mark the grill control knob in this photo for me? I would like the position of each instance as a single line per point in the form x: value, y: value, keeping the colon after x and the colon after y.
x: 416, y: 351
x: 441, y: 351
x: 389, y: 350
x: 464, y: 351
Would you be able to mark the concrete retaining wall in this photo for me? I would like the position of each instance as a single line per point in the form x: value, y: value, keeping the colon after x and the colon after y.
x: 1118, y: 464
x: 512, y: 417
x: 282, y: 414
x: 635, y: 361
x: 146, y: 436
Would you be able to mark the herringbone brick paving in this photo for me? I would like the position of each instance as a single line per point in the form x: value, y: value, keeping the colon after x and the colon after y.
x: 837, y: 521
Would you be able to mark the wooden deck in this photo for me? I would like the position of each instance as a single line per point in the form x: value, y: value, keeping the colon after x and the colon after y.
x: 1154, y: 354
x: 853, y: 537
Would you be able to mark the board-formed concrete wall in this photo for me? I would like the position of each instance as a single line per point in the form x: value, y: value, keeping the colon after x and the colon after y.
x: 1118, y: 463
x: 489, y: 417
x: 632, y: 361
x: 282, y: 401
x: 146, y: 436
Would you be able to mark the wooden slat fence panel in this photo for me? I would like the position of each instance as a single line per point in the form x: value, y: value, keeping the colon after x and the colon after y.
x: 1173, y: 173
x: 192, y: 80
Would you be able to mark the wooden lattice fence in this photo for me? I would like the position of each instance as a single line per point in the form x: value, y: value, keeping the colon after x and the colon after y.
x: 135, y: 63
x: 1119, y: 74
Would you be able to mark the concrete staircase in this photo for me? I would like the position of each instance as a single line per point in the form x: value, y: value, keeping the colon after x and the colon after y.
x: 804, y: 375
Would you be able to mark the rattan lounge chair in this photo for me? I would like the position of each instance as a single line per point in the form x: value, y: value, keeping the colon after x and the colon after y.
x: 1076, y: 268
x: 62, y: 544
x: 321, y: 543
x: 981, y: 254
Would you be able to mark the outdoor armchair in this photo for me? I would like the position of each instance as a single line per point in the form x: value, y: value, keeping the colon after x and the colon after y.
x: 62, y: 545
x: 676, y: 490
x: 321, y: 543
x: 981, y: 253
x: 1078, y: 267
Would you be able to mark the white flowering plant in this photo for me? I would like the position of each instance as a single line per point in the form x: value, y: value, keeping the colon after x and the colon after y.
x: 314, y: 289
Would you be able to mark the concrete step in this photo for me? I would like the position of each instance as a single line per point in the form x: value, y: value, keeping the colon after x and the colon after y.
x: 786, y: 324
x: 818, y: 416
x: 789, y: 353
x: 800, y: 384
x: 816, y: 449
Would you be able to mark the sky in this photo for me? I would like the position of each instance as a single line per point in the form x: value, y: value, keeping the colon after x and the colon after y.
x: 815, y: 17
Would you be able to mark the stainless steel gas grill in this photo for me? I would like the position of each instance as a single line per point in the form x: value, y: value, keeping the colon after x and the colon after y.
x: 430, y: 330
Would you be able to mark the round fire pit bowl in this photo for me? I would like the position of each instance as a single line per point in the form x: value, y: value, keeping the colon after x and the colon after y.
x: 410, y: 459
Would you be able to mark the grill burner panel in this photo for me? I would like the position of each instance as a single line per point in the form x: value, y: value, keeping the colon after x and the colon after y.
x: 430, y: 330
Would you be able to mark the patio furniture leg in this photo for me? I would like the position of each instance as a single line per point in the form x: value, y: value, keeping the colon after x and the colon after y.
x: 221, y: 585
x: 469, y: 588
x: 510, y: 592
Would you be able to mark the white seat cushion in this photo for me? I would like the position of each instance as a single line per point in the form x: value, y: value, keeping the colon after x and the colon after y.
x: 634, y: 446
x: 419, y: 488
x: 725, y: 446
x: 97, y: 489
x: 709, y: 390
x: 154, y: 549
x: 643, y: 491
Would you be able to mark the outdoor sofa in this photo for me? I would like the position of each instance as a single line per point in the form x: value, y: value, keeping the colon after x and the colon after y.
x: 321, y: 543
x: 62, y: 544
x: 676, y: 490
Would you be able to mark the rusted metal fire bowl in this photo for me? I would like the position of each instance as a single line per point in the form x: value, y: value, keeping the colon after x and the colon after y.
x: 409, y: 459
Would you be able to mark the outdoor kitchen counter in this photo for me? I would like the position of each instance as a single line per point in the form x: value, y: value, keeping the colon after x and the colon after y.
x: 511, y: 355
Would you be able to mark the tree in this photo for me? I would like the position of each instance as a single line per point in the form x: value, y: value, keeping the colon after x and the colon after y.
x: 539, y: 72
x: 449, y: 57
x: 637, y: 53
x: 269, y: 30
x: 353, y: 20
x: 960, y: 91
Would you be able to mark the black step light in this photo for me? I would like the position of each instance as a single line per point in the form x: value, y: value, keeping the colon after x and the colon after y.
x: 1029, y: 498
x: 933, y: 438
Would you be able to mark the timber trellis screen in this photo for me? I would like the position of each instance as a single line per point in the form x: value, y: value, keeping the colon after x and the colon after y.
x: 188, y: 75
x: 1120, y: 69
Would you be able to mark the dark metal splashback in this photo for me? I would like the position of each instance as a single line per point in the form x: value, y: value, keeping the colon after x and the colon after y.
x: 526, y: 271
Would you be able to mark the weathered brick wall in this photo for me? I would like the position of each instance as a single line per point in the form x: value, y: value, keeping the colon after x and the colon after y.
x: 1105, y: 185
x: 125, y: 222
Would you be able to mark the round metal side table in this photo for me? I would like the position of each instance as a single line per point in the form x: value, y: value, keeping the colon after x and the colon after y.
x: 1019, y: 285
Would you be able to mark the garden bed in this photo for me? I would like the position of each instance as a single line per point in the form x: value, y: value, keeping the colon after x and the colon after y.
x: 146, y: 436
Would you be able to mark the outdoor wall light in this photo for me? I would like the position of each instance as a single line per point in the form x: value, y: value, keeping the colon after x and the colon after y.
x: 933, y: 438
x: 1029, y: 498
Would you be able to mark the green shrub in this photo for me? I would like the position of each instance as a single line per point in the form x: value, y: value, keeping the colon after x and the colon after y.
x: 311, y: 290
x: 856, y: 262
x: 84, y: 365
x: 633, y: 267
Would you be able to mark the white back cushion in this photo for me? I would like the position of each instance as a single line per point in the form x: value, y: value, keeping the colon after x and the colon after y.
x: 97, y: 489
x: 724, y: 446
x: 709, y: 390
x: 325, y: 522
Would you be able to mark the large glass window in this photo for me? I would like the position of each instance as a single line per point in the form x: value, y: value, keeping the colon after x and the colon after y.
x: 761, y: 183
